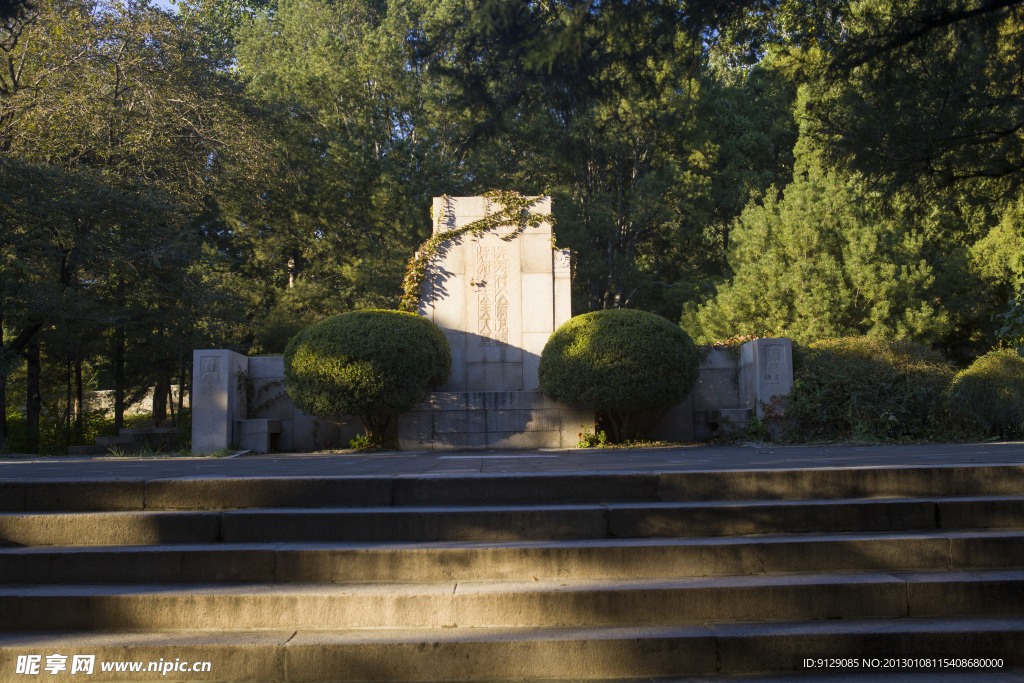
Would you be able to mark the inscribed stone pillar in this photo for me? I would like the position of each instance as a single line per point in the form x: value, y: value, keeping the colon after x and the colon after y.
x: 766, y: 371
x: 497, y: 300
x: 217, y: 398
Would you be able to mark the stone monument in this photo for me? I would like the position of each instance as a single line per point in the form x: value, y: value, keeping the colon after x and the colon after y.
x: 497, y: 301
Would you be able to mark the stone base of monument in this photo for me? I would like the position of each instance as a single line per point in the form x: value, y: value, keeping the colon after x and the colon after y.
x: 732, y: 386
x: 492, y: 419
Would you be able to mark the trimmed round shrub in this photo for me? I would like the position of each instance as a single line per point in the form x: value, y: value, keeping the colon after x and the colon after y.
x: 868, y: 389
x: 373, y: 363
x: 987, y: 399
x: 622, y: 364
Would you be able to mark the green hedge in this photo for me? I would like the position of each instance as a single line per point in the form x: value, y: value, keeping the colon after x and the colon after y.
x: 621, y: 364
x: 864, y: 388
x: 987, y: 399
x: 373, y: 363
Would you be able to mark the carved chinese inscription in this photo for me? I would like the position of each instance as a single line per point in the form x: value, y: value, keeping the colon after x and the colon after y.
x: 775, y: 363
x: 492, y: 294
x: 208, y: 373
x: 562, y: 260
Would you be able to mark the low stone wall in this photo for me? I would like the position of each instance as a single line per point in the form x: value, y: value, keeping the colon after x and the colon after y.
x: 240, y: 401
x: 732, y: 386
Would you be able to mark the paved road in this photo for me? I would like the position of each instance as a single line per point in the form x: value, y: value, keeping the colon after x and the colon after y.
x: 687, y: 458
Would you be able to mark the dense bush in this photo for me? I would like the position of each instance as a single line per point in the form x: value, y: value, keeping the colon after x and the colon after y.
x: 987, y: 399
x: 622, y: 364
x: 374, y: 364
x: 868, y: 389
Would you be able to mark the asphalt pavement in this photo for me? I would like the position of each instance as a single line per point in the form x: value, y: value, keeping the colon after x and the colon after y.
x: 439, y: 463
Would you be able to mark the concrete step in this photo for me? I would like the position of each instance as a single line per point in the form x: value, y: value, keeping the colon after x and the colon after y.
x: 518, y: 489
x: 541, y: 603
x: 876, y: 674
x: 494, y: 654
x: 121, y: 441
x: 510, y: 523
x: 517, y: 561
x: 931, y: 676
x: 506, y: 577
x: 87, y: 450
x: 880, y: 675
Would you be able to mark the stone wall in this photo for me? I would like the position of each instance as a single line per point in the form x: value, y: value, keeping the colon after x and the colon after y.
x: 241, y: 402
x: 732, y: 385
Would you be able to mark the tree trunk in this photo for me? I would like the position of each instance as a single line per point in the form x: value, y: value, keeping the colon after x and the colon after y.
x: 4, y: 370
x: 181, y: 388
x: 170, y: 404
x: 3, y: 406
x: 33, y: 398
x: 382, y: 430
x: 160, y: 390
x: 8, y: 354
x: 68, y: 393
x: 190, y: 382
x: 79, y: 403
x: 118, y: 380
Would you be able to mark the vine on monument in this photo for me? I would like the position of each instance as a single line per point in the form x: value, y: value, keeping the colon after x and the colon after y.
x: 515, y: 210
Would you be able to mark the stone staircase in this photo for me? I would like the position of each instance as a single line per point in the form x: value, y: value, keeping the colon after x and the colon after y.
x: 130, y: 439
x: 576, y: 576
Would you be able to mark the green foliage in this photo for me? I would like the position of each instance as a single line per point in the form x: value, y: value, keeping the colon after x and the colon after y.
x: 360, y: 442
x: 865, y: 389
x: 630, y: 172
x: 373, y: 363
x: 293, y: 309
x: 365, y: 135
x: 926, y: 92
x: 52, y: 436
x: 591, y: 440
x: 1002, y: 251
x: 620, y: 363
x: 117, y: 134
x: 757, y: 429
x: 230, y: 174
x: 820, y: 262
x: 514, y: 211
x: 750, y: 116
x: 1011, y: 330
x: 987, y: 399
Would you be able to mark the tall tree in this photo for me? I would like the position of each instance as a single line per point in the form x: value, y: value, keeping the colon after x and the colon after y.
x: 367, y: 135
x: 926, y: 91
x: 822, y: 261
x: 117, y: 96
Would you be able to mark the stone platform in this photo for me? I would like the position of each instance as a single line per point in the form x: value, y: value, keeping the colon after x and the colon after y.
x: 491, y: 419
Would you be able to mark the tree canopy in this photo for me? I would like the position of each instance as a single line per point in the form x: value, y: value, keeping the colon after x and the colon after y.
x: 226, y: 174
